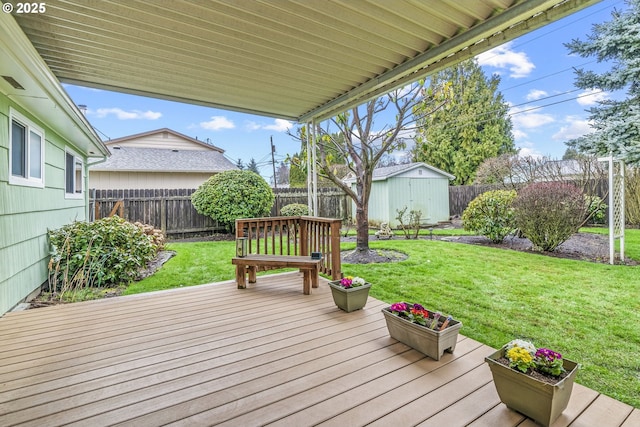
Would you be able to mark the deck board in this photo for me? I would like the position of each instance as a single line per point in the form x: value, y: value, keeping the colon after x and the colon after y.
x: 265, y: 355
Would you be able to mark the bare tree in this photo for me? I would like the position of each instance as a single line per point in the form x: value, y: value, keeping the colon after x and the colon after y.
x: 354, y: 137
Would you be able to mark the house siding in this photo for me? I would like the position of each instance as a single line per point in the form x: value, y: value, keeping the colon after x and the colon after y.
x: 108, y: 180
x: 26, y: 213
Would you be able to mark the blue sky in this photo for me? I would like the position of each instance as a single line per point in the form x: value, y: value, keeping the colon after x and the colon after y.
x: 537, y: 80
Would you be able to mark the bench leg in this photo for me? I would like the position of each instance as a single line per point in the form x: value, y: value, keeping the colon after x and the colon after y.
x: 241, y: 277
x: 315, y: 277
x: 306, y: 282
x: 252, y: 273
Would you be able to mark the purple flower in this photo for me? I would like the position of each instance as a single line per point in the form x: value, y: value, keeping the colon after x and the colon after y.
x: 549, y: 355
x: 418, y: 307
x: 399, y: 306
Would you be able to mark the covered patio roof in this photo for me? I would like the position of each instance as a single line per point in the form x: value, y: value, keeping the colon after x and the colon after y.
x: 292, y: 59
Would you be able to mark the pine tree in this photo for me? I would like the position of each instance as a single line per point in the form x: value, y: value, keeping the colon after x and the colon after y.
x: 616, y: 123
x: 253, y: 166
x: 239, y: 164
x: 472, y: 127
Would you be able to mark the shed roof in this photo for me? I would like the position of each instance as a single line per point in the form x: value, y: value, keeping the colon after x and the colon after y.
x: 293, y: 59
x: 381, y: 174
x: 130, y: 159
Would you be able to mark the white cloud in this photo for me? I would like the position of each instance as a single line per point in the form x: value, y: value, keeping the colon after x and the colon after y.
x: 591, y: 97
x: 575, y: 127
x: 521, y: 118
x: 217, y: 123
x: 127, y: 115
x: 503, y: 57
x: 278, y: 125
x: 536, y: 94
x: 518, y: 134
x: 529, y: 152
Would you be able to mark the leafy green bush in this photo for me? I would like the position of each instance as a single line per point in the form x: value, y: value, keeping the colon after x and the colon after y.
x: 107, y: 251
x: 548, y: 213
x: 491, y: 215
x: 233, y: 194
x: 294, y: 209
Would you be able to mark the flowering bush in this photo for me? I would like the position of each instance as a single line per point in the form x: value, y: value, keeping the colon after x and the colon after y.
x: 416, y: 313
x: 524, y: 356
x: 352, y: 282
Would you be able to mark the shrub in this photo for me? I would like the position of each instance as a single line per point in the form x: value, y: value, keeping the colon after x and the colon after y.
x: 548, y: 213
x: 107, y: 251
x: 491, y: 215
x: 233, y: 194
x: 294, y: 209
x: 596, y: 209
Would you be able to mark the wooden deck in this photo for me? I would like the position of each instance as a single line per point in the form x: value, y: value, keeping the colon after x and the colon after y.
x: 266, y: 355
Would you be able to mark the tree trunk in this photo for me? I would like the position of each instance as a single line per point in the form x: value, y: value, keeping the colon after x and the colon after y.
x: 362, y: 228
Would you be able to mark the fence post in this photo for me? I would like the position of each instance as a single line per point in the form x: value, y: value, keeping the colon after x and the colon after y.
x: 336, y: 269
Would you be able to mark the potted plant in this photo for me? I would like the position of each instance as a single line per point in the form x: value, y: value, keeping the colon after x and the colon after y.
x: 428, y: 332
x: 350, y: 293
x: 537, y: 382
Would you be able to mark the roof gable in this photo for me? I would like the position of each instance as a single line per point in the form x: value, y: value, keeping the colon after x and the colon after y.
x: 164, y: 138
x: 409, y: 170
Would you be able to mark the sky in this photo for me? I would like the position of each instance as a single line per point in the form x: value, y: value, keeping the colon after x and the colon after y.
x: 536, y: 71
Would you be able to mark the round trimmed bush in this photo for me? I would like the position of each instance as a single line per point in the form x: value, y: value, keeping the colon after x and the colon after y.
x: 491, y: 215
x: 294, y: 209
x: 233, y: 194
x: 548, y: 213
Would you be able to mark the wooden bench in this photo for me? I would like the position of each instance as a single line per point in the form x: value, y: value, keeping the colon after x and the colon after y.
x: 252, y: 263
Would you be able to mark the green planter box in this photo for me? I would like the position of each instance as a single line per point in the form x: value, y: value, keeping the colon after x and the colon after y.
x: 533, y: 398
x: 350, y: 299
x: 425, y: 340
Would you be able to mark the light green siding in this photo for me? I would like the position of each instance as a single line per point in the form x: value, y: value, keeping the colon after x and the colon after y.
x: 419, y: 188
x: 26, y: 213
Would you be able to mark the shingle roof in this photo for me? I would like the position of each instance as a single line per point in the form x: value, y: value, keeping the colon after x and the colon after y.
x: 162, y: 160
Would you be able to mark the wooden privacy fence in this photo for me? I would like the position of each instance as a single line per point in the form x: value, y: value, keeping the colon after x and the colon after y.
x: 294, y: 235
x: 332, y: 202
x: 168, y: 209
x: 171, y: 209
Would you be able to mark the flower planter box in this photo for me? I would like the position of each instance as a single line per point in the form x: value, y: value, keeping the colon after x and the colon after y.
x: 540, y: 401
x: 349, y: 299
x: 425, y: 340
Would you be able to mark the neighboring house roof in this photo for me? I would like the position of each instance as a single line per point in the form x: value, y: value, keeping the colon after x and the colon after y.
x: 133, y: 159
x: 381, y: 174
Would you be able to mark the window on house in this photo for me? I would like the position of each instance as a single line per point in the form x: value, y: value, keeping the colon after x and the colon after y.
x: 73, y: 175
x: 26, y: 158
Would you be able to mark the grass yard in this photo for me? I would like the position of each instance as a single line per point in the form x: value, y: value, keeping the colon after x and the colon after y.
x: 589, y: 312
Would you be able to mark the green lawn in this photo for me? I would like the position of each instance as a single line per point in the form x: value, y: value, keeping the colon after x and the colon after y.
x: 587, y: 311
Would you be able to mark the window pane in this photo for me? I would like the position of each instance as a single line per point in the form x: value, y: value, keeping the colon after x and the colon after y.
x: 69, y: 173
x: 35, y: 155
x: 18, y: 149
x: 78, y: 176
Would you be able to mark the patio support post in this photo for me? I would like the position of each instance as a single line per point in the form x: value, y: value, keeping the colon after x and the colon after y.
x: 312, y: 173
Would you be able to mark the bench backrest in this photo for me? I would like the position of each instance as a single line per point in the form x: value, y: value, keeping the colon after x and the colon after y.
x: 294, y: 235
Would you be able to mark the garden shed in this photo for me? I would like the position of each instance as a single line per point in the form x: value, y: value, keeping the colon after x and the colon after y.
x: 417, y: 186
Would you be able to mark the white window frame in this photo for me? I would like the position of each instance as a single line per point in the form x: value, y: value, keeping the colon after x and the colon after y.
x: 77, y: 175
x: 30, y: 128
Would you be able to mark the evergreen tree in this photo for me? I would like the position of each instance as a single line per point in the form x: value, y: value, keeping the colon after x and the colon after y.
x: 616, y: 123
x: 239, y: 164
x: 472, y: 127
x: 253, y: 166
